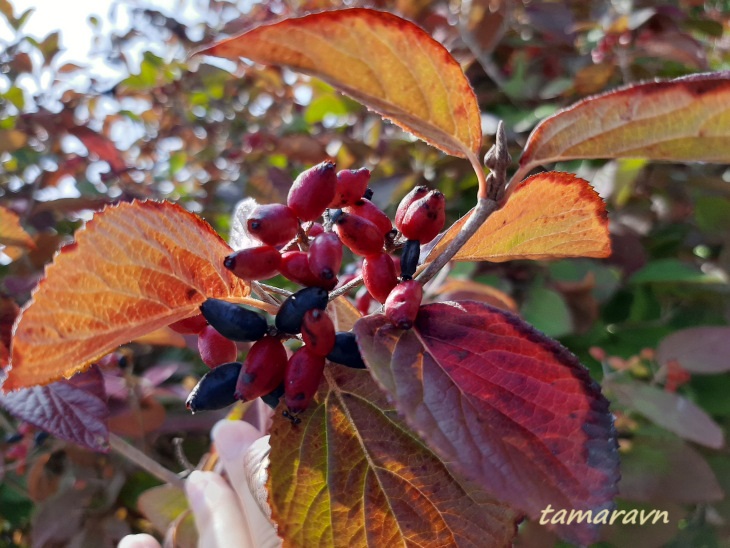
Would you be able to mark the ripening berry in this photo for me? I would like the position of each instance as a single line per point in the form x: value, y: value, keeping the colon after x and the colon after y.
x: 273, y: 224
x: 292, y: 310
x: 315, y: 230
x: 215, y: 349
x: 351, y: 185
x: 359, y: 234
x: 368, y: 210
x: 325, y: 257
x: 234, y: 322
x: 363, y: 300
x: 254, y: 263
x: 415, y: 194
x: 216, y: 389
x: 346, y: 351
x: 190, y: 326
x: 318, y: 332
x: 295, y: 267
x: 425, y: 217
x: 303, y: 373
x: 313, y: 190
x: 409, y: 259
x: 401, y: 306
x: 378, y: 273
x: 263, y: 369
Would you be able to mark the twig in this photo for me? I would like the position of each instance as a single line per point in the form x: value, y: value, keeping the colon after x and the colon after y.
x: 355, y: 282
x: 261, y: 293
x: 274, y: 289
x: 143, y: 461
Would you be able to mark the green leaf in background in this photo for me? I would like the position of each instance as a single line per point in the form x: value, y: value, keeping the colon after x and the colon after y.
x: 546, y: 310
x: 673, y: 270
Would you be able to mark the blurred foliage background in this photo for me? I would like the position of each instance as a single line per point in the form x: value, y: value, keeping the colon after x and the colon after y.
x: 158, y: 123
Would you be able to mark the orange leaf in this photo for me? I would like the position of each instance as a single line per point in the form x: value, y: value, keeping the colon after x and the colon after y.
x: 353, y: 474
x: 548, y: 216
x: 388, y: 64
x: 134, y: 268
x: 682, y: 120
x: 13, y: 237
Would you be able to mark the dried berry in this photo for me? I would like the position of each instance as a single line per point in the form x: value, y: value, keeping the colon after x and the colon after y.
x: 263, y: 369
x: 359, y: 234
x: 214, y: 348
x: 190, y: 326
x: 378, y: 273
x: 254, y: 263
x: 401, y: 306
x: 273, y: 224
x: 346, y: 351
x: 216, y: 389
x: 409, y: 259
x: 292, y: 310
x: 318, y: 332
x: 313, y: 190
x: 325, y: 258
x: 368, y: 210
x: 425, y: 217
x: 351, y: 185
x: 303, y: 373
x: 233, y: 321
x: 415, y: 194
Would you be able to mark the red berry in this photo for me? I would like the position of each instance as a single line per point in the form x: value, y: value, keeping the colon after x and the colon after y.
x: 318, y: 332
x: 301, y: 380
x: 371, y: 212
x: 425, y: 218
x: 401, y: 306
x: 295, y: 267
x: 315, y: 230
x: 359, y: 234
x: 325, y: 257
x: 313, y: 190
x: 190, y: 326
x: 415, y: 194
x: 263, y: 369
x: 363, y: 300
x: 273, y: 224
x: 215, y: 349
x: 351, y: 185
x: 254, y: 263
x: 378, y: 273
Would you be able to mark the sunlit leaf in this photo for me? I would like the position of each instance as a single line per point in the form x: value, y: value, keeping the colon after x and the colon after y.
x: 383, y: 61
x: 162, y: 337
x: 467, y: 290
x: 74, y: 410
x: 344, y: 314
x: 501, y: 404
x: 668, y: 410
x: 548, y: 216
x: 352, y: 474
x: 682, y: 120
x: 134, y: 268
x: 166, y: 506
x: 697, y: 349
x: 13, y: 237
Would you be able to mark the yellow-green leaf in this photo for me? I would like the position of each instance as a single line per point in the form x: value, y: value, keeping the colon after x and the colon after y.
x: 385, y: 62
x: 682, y: 120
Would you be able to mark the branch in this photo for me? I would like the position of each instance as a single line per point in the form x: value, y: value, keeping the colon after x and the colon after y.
x: 143, y: 461
x: 355, y: 282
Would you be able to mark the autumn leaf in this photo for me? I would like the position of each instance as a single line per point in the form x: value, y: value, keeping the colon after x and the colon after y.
x: 100, y: 145
x: 548, y: 216
x: 74, y: 410
x: 388, y: 64
x: 681, y: 120
x: 352, y: 474
x: 134, y: 268
x: 502, y: 404
x: 14, y: 240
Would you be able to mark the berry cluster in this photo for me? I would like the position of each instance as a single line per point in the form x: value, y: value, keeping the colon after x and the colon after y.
x: 309, y: 253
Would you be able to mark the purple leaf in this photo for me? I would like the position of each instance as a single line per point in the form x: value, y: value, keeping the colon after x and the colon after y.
x: 72, y: 410
x: 697, y: 349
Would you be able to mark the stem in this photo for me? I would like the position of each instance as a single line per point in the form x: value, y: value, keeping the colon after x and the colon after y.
x: 355, y: 282
x: 136, y: 456
x: 483, y: 185
x: 274, y: 289
x: 262, y: 294
x: 484, y: 208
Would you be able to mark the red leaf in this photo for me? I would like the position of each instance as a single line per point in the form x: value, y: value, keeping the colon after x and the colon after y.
x: 101, y: 146
x: 72, y: 410
x: 504, y: 405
